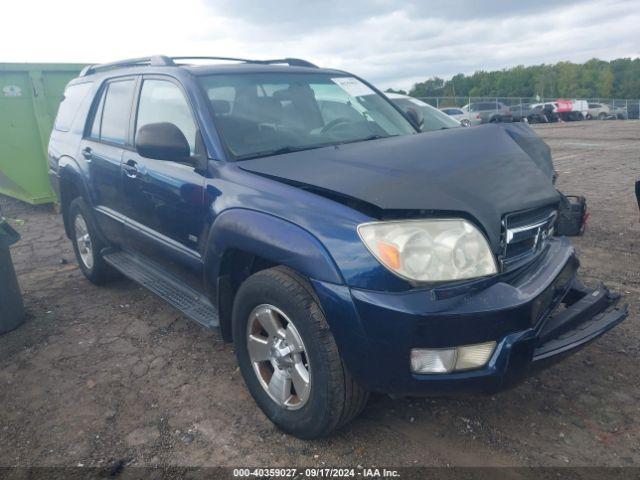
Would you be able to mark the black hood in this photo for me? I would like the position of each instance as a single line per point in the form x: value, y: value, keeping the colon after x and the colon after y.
x: 484, y: 172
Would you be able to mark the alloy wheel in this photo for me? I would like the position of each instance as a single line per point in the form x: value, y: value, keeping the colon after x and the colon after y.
x: 83, y: 242
x: 278, y: 356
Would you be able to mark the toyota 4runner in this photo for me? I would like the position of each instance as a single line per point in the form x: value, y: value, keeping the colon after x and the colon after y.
x: 299, y: 212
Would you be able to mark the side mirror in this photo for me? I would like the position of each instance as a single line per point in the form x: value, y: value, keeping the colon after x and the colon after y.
x: 415, y: 118
x: 162, y: 141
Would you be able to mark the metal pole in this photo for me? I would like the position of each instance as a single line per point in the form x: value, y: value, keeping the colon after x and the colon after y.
x: 437, y: 102
x: 520, y: 100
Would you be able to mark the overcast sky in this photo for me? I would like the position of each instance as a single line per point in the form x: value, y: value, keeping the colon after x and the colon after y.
x: 391, y: 43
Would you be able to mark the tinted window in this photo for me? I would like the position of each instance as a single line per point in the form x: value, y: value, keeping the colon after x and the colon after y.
x: 73, y: 97
x: 116, y: 110
x: 162, y: 101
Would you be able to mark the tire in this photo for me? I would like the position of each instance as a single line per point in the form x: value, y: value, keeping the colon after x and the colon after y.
x: 494, y: 120
x: 602, y: 116
x: 91, y: 263
x: 332, y: 398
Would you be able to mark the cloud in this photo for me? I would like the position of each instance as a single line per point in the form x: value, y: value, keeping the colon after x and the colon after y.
x: 392, y: 43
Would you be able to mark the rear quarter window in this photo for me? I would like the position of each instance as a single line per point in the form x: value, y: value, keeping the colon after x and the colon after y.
x: 71, y: 101
x: 111, y: 120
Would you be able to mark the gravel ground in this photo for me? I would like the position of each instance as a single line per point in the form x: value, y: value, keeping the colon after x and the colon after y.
x: 104, y: 375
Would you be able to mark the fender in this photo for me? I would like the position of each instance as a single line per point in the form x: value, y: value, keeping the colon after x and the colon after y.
x: 69, y: 172
x: 272, y: 238
x: 69, y: 169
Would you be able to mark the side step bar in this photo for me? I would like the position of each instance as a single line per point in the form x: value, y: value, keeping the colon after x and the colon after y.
x: 175, y: 292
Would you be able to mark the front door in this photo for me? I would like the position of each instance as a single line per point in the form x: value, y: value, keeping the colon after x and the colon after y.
x: 165, y: 199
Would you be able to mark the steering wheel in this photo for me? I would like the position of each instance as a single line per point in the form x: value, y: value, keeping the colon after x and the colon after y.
x: 334, y: 123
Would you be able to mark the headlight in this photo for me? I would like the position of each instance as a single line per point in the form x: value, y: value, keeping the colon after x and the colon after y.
x: 430, y: 250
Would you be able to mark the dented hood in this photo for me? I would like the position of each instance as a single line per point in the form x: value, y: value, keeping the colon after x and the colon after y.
x: 484, y: 171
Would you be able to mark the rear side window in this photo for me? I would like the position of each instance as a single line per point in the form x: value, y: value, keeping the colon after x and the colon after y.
x: 71, y: 101
x: 111, y: 120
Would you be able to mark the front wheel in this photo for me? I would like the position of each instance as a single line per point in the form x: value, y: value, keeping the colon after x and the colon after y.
x: 288, y: 356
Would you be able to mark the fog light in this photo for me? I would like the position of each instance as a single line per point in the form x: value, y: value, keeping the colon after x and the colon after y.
x: 433, y: 361
x: 445, y: 360
x: 474, y: 356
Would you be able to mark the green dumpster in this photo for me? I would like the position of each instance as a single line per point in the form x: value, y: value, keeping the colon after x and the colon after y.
x: 29, y: 97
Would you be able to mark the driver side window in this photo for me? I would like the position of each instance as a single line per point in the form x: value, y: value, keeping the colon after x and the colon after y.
x: 162, y: 101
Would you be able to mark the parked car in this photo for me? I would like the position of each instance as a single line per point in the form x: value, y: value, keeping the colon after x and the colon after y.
x: 428, y: 118
x: 341, y: 250
x: 487, y: 112
x: 572, y: 110
x: 619, y: 112
x: 526, y: 112
x: 598, y: 110
x: 548, y: 109
x: 458, y: 114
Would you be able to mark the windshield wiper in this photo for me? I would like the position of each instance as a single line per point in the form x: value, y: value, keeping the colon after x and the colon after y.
x: 293, y: 148
x: 375, y: 136
x: 280, y: 151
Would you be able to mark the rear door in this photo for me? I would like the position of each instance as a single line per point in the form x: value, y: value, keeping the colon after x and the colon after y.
x: 106, y: 138
x: 165, y: 199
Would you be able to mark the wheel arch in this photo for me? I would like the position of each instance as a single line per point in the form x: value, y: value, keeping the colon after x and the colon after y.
x: 243, y: 242
x: 72, y: 186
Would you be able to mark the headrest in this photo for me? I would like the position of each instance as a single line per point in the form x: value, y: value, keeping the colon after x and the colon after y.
x: 220, y: 107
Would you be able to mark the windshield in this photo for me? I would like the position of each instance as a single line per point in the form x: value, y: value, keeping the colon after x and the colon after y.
x: 260, y: 114
x: 432, y: 118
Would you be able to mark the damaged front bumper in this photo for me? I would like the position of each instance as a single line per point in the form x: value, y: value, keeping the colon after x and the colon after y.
x: 588, y: 314
x: 535, y: 317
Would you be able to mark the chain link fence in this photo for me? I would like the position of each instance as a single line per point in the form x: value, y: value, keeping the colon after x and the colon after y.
x: 520, y: 108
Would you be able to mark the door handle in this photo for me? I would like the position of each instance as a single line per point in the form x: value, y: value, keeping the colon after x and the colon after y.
x: 130, y: 168
x: 87, y: 153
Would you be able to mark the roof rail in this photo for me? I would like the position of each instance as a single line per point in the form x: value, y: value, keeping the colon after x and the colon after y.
x: 163, y: 61
x: 293, y: 62
x: 154, y: 61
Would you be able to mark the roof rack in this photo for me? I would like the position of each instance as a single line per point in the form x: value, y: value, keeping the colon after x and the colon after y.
x: 153, y: 61
x: 292, y: 62
x: 164, y: 61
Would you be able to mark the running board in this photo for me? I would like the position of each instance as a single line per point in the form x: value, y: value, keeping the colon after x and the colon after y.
x: 193, y: 304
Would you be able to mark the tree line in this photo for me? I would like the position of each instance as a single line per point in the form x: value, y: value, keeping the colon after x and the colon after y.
x: 618, y: 78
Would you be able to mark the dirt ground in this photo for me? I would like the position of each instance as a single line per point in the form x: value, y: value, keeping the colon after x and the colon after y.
x: 102, y: 375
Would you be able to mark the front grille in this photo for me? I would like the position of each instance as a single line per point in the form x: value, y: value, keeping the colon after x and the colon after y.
x: 525, y: 235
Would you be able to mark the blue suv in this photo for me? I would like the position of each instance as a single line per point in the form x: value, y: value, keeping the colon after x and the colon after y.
x: 303, y: 215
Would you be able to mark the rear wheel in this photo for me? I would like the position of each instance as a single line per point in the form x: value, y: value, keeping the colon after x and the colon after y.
x: 87, y: 244
x: 288, y: 356
x: 602, y: 116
